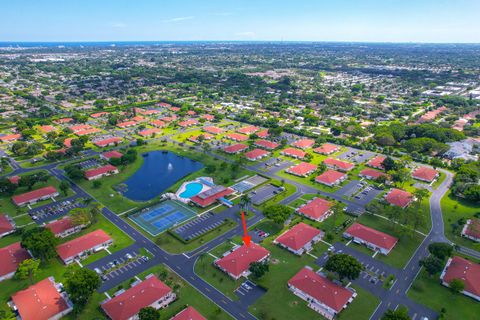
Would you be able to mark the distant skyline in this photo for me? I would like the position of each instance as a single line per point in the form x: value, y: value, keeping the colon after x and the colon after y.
x: 430, y: 21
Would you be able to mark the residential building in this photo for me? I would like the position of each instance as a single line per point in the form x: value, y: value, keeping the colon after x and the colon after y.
x: 64, y: 227
x: 150, y: 292
x: 425, y: 174
x: 34, y: 196
x: 338, y: 164
x: 269, y: 145
x: 304, y: 143
x: 326, y: 297
x: 97, y: 173
x: 317, y: 209
x: 331, y: 178
x: 189, y: 313
x: 11, y: 256
x: 326, y: 148
x: 110, y: 155
x: 376, y: 162
x: 399, y: 198
x: 236, y: 263
x: 81, y: 247
x: 299, y: 239
x: 44, y: 300
x: 373, y: 239
x: 471, y: 229
x: 294, y: 153
x: 235, y: 148
x: 466, y: 271
x: 302, y: 169
x: 7, y: 225
x: 256, y: 154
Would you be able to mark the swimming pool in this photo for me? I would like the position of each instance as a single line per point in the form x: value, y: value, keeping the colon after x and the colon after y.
x: 191, y: 189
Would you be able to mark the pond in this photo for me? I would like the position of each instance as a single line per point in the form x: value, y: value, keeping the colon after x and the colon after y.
x: 160, y: 170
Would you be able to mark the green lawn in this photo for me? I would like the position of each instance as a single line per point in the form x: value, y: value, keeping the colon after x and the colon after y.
x: 428, y: 291
x: 453, y: 210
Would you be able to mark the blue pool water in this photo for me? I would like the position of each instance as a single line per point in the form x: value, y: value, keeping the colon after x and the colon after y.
x: 159, y: 171
x: 191, y: 189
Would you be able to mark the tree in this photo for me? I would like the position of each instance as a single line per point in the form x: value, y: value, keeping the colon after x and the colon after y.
x: 421, y: 194
x: 457, y: 285
x: 245, y: 202
x: 258, y: 269
x: 64, y: 186
x: 399, y: 314
x: 345, y: 266
x: 27, y: 269
x: 279, y: 213
x: 73, y: 171
x: 441, y: 250
x: 80, y: 283
x: 97, y: 184
x: 389, y: 164
x: 432, y: 265
x: 41, y: 242
x: 148, y: 313
x: 80, y: 216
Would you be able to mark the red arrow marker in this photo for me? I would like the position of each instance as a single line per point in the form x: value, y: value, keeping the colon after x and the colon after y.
x: 246, y: 238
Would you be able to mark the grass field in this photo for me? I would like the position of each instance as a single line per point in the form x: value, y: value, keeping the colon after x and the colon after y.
x: 453, y: 210
x: 428, y: 291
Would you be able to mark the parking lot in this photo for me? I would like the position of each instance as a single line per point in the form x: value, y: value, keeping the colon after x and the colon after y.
x: 351, y: 188
x: 119, y: 265
x: 356, y: 156
x: 265, y: 193
x: 54, y: 210
x: 248, y: 292
x: 87, y: 164
x: 199, y: 226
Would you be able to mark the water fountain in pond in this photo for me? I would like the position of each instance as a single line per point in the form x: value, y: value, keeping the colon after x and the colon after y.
x: 170, y: 166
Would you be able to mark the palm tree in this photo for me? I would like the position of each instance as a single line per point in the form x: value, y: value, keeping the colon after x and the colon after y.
x: 245, y: 202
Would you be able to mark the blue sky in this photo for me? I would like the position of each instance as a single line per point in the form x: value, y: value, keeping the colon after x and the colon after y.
x: 295, y: 20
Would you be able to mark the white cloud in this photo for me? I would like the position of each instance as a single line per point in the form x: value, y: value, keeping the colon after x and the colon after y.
x: 178, y: 19
x: 119, y: 25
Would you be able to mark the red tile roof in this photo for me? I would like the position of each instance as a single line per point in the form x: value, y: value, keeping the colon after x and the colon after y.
x: 188, y: 123
x: 372, y: 174
x: 338, y: 164
x: 322, y: 289
x: 302, y: 169
x: 126, y: 124
x: 164, y: 104
x: 294, y: 152
x: 465, y: 270
x: 191, y: 113
x: 34, y: 195
x: 86, y: 242
x: 425, y: 174
x: 248, y: 129
x: 376, y: 162
x: 208, y: 117
x: 206, y: 136
x: 5, y: 225
x: 213, y: 129
x: 40, y: 301
x: 149, y: 132
x: 14, y: 179
x: 208, y: 197
x: 316, y: 208
x: 79, y: 127
x: 98, y: 114
x: 326, y: 148
x: 169, y: 119
x: 188, y: 313
x: 235, y: 148
x: 107, y: 142
x: 63, y: 120
x: 236, y: 136
x: 399, y: 197
x: 256, y: 153
x: 472, y: 229
x: 304, y: 143
x: 263, y: 133
x: 11, y: 256
x: 330, y: 177
x: 149, y: 112
x: 47, y: 128
x: 298, y: 236
x: 67, y: 142
x: 129, y: 303
x: 378, y: 238
x: 60, y: 226
x: 99, y: 171
x: 266, y: 144
x: 87, y: 131
x: 240, y: 259
x: 112, y: 154
x: 10, y: 137
x: 158, y: 123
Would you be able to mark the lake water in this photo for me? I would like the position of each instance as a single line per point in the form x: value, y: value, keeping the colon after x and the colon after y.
x: 160, y: 170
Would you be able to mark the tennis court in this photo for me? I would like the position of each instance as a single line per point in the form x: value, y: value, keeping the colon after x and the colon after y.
x: 161, y: 217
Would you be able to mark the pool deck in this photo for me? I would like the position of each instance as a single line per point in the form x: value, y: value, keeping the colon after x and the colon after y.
x: 183, y: 187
